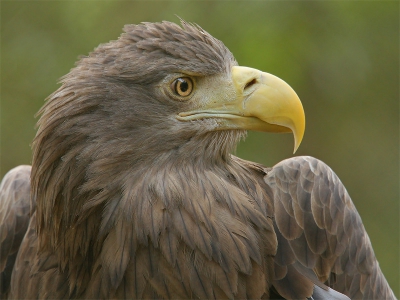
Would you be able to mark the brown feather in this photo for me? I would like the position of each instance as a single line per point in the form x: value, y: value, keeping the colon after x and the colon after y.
x: 15, y: 211
x: 333, y: 244
x: 132, y: 203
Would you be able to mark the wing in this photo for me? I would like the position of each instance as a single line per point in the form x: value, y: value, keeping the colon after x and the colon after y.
x: 15, y: 210
x: 320, y: 234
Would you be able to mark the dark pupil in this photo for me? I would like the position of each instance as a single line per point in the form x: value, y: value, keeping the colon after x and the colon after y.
x: 183, y: 85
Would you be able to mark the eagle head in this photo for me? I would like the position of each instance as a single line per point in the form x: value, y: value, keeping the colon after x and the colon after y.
x: 160, y: 93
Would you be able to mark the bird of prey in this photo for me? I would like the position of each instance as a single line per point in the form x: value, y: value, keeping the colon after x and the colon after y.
x: 133, y: 191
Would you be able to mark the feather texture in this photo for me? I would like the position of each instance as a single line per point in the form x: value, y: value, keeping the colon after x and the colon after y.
x: 332, y: 243
x: 124, y: 201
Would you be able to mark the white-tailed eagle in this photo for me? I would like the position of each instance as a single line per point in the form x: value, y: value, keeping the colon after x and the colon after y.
x: 133, y: 191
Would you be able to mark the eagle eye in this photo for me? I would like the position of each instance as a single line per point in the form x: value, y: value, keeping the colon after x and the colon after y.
x: 182, y: 86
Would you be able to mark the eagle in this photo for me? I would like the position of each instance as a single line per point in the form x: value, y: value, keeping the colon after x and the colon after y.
x: 134, y: 192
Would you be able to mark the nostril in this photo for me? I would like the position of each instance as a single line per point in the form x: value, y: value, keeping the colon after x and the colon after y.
x: 250, y: 83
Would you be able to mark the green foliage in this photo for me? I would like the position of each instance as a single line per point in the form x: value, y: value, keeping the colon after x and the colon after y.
x: 340, y: 56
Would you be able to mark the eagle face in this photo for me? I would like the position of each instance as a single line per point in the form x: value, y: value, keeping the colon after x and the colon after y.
x: 162, y: 76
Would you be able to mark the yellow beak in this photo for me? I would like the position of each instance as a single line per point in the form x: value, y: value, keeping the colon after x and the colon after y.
x: 271, y: 100
x: 259, y: 101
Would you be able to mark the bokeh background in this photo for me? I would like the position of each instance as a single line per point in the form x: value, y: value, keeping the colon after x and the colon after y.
x: 342, y: 58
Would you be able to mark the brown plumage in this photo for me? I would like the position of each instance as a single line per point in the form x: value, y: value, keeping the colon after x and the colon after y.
x: 128, y: 199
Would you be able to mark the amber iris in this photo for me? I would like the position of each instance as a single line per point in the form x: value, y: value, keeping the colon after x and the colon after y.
x: 182, y: 86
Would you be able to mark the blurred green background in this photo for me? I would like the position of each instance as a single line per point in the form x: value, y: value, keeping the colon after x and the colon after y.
x: 341, y: 57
